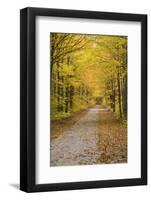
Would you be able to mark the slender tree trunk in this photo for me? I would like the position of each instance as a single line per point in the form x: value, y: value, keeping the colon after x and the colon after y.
x: 119, y: 94
x: 71, y: 96
x: 124, y: 97
x: 113, y: 95
x: 61, y: 94
x: 66, y: 99
x: 58, y: 94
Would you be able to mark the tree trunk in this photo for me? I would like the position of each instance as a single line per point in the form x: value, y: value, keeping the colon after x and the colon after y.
x: 124, y: 97
x: 119, y: 94
x: 113, y: 95
x: 66, y: 99
x: 71, y: 96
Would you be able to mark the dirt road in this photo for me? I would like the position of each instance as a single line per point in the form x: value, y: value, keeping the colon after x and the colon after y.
x: 97, y: 137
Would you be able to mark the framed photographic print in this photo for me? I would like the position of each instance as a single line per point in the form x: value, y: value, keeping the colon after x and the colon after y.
x: 83, y: 95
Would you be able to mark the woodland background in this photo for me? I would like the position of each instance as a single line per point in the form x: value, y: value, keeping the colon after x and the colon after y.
x: 88, y: 70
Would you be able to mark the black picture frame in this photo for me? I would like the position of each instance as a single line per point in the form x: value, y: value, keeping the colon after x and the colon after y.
x: 28, y: 99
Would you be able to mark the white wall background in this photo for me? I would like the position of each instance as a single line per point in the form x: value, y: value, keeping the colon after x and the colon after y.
x: 9, y: 99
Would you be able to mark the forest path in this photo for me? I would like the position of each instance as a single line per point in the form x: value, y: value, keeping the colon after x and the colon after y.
x: 97, y: 137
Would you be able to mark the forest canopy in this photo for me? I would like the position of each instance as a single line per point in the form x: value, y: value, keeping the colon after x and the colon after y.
x: 87, y: 70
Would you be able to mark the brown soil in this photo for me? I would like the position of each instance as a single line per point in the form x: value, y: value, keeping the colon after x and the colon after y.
x: 112, y: 139
x: 93, y: 136
x: 59, y: 127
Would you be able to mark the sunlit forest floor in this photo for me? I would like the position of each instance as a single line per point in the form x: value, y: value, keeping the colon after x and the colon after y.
x: 93, y: 136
